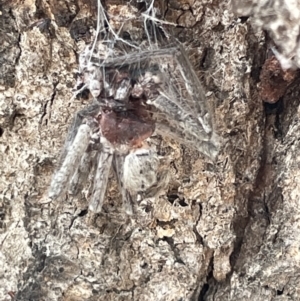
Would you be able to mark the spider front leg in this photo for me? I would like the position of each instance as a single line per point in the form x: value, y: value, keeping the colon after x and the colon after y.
x: 172, y: 121
x: 173, y: 112
x: 180, y: 106
x: 208, y: 148
x: 195, y: 89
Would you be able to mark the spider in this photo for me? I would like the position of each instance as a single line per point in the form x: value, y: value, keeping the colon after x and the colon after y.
x: 134, y: 95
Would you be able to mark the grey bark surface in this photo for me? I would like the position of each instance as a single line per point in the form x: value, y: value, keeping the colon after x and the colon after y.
x: 224, y: 230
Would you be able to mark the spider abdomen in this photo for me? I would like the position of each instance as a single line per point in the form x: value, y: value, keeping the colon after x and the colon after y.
x: 140, y: 170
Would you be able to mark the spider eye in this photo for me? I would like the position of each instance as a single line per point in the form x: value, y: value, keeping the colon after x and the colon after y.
x: 126, y: 36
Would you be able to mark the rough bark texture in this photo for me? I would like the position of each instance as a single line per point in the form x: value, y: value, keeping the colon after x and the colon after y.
x: 227, y: 230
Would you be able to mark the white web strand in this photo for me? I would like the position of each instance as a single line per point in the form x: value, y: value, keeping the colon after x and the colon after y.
x: 101, y: 19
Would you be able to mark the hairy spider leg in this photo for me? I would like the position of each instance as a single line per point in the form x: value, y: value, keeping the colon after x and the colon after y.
x: 134, y: 58
x: 127, y: 198
x: 183, y: 119
x: 208, y: 148
x: 71, y: 161
x: 194, y: 88
x: 86, y: 113
x: 182, y: 125
x: 80, y: 177
x: 101, y: 178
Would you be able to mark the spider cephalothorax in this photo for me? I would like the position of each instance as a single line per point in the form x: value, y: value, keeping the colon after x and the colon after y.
x: 134, y: 94
x: 127, y: 127
x: 125, y: 118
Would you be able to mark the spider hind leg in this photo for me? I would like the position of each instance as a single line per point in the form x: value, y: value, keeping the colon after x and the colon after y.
x: 127, y: 197
x: 75, y: 152
x: 101, y: 178
x: 81, y: 175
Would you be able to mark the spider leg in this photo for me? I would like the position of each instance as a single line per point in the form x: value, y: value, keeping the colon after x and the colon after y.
x: 134, y: 58
x: 78, y: 139
x: 182, y: 111
x: 127, y: 198
x: 184, y: 120
x: 101, y: 178
x: 194, y: 88
x: 80, y: 177
x: 71, y: 161
x: 208, y: 148
x: 183, y: 126
x: 87, y: 112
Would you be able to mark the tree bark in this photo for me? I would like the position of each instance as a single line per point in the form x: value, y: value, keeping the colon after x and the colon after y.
x: 224, y: 230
